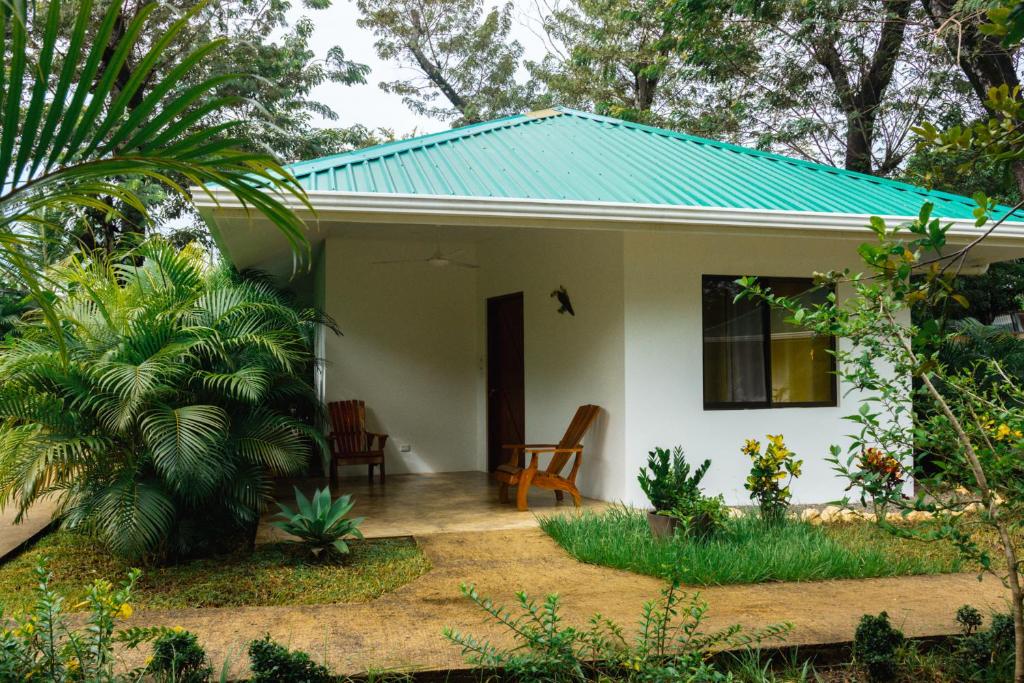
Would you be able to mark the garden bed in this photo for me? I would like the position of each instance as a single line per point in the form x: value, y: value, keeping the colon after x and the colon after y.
x: 273, y: 574
x: 748, y: 552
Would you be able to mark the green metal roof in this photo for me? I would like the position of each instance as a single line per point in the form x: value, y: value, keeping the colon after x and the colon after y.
x: 563, y: 154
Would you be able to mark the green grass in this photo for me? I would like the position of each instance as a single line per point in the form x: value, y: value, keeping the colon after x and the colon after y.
x: 274, y: 574
x: 746, y: 551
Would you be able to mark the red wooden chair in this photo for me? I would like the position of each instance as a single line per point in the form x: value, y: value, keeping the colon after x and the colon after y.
x: 350, y: 443
x: 512, y: 473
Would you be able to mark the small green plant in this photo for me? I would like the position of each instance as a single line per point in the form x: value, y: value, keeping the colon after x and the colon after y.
x: 669, y: 644
x: 982, y: 655
x: 320, y: 524
x: 179, y: 658
x: 40, y: 644
x: 272, y: 662
x: 876, y: 646
x: 701, y: 517
x: 767, y: 474
x: 667, y: 482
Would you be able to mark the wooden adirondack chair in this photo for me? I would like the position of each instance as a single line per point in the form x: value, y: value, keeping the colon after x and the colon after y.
x: 512, y: 473
x: 350, y: 443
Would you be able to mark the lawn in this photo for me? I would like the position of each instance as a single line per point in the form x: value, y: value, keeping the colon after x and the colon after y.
x: 746, y: 551
x: 274, y: 574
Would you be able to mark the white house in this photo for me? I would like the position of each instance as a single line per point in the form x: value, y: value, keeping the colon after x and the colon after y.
x: 438, y: 257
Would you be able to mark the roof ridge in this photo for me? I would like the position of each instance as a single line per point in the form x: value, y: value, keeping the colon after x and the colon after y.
x: 397, y: 146
x: 773, y: 156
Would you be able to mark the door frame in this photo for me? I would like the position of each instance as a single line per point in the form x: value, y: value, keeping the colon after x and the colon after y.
x: 490, y: 307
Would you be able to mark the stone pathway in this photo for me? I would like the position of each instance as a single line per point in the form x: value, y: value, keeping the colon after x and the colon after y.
x: 13, y: 536
x: 402, y: 630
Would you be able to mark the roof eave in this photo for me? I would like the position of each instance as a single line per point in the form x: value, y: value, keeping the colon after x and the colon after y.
x: 350, y: 207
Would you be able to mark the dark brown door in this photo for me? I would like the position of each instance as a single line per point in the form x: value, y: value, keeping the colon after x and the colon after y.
x: 506, y: 408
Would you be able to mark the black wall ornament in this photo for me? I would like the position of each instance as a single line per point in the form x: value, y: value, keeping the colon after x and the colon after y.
x: 565, y: 305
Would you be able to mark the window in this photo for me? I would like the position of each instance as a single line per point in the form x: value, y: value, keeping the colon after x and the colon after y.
x: 754, y: 359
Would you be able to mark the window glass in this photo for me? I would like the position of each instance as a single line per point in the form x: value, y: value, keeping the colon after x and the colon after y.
x: 801, y: 362
x: 754, y: 358
x: 734, y: 366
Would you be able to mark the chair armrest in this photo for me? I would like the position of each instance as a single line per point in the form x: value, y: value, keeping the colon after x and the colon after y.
x: 381, y: 439
x: 554, y: 449
x: 527, y: 446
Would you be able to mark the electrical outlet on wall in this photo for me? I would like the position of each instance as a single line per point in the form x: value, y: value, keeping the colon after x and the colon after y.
x: 404, y: 448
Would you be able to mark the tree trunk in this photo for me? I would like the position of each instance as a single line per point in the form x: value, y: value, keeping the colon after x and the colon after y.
x: 861, y: 98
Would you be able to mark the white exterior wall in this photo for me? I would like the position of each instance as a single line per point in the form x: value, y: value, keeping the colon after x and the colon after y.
x: 664, y: 375
x: 414, y: 350
x: 409, y: 350
x: 569, y: 360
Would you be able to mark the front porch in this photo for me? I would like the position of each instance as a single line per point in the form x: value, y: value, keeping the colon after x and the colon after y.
x: 423, y: 504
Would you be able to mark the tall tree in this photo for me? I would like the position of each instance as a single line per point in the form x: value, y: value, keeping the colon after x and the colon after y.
x: 641, y: 60
x: 266, y: 82
x: 843, y: 81
x: 463, y: 60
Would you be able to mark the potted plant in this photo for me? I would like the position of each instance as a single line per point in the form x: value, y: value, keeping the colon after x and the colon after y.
x: 676, y: 496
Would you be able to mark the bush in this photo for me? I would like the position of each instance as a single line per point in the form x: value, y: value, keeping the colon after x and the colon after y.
x: 667, y: 482
x: 875, y: 647
x: 768, y: 471
x: 983, y: 655
x: 271, y: 662
x: 179, y: 658
x: 40, y: 644
x: 675, y: 492
x: 319, y: 524
x: 669, y: 645
x: 161, y: 404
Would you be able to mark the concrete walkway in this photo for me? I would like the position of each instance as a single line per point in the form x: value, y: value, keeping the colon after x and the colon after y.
x: 13, y: 536
x: 402, y: 630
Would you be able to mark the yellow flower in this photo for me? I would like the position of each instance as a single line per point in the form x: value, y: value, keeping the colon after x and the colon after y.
x: 124, y: 611
x: 1002, y: 432
x: 177, y: 629
x: 73, y: 663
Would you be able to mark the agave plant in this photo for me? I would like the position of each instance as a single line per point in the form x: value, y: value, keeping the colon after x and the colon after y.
x: 320, y: 524
x: 72, y: 133
x: 175, y: 403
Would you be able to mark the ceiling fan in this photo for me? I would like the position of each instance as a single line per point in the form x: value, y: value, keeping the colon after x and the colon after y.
x: 438, y: 259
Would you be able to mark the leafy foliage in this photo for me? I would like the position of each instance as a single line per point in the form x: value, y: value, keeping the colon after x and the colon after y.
x: 972, y: 420
x: 767, y: 473
x: 41, y: 644
x: 272, y: 662
x: 179, y: 658
x: 163, y: 404
x: 669, y: 644
x: 76, y: 136
x: 463, y: 61
x: 875, y: 647
x: 666, y: 481
x: 320, y: 524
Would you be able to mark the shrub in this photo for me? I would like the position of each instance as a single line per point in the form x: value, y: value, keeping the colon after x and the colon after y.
x: 669, y: 645
x: 41, y: 644
x: 161, y: 405
x: 875, y: 647
x: 982, y: 655
x: 272, y: 662
x: 768, y: 471
x: 320, y: 524
x: 701, y: 517
x: 667, y: 482
x: 179, y: 658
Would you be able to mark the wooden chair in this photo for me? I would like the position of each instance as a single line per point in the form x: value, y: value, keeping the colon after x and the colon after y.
x: 350, y: 443
x: 513, y: 473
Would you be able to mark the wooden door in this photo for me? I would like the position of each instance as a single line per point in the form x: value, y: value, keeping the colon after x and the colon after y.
x: 506, y: 407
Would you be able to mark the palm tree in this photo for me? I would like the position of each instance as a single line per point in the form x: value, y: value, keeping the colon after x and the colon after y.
x: 71, y: 133
x: 174, y: 400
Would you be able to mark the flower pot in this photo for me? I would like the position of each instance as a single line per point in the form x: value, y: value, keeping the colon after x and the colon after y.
x: 662, y: 526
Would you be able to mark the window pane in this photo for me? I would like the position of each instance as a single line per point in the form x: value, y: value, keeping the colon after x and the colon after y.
x: 801, y: 364
x: 733, y: 346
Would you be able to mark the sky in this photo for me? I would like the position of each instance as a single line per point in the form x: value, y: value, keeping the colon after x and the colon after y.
x: 368, y: 104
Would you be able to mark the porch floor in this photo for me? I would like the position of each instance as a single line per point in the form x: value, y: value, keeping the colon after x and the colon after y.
x: 422, y: 504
